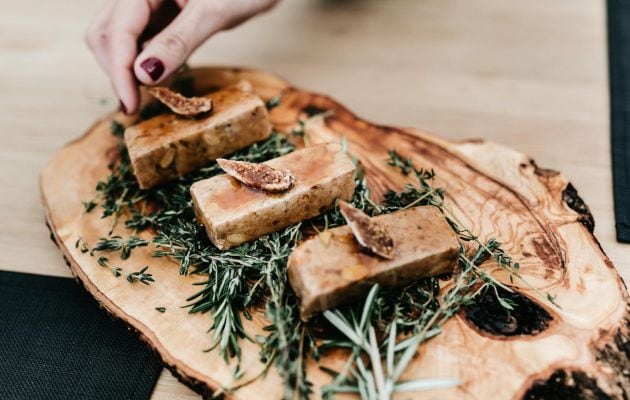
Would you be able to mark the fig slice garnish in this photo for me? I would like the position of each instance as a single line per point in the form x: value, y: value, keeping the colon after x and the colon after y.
x: 370, y: 235
x: 181, y: 105
x: 258, y: 176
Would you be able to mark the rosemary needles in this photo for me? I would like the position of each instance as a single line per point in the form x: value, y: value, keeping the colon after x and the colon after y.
x: 379, y: 379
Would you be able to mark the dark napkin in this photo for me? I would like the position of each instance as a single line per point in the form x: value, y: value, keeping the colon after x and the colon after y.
x: 56, y: 343
x: 619, y: 66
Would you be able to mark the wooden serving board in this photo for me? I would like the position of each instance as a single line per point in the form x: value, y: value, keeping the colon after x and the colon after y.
x: 495, y: 191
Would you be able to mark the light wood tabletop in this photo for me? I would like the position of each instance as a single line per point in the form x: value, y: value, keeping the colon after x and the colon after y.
x: 531, y: 75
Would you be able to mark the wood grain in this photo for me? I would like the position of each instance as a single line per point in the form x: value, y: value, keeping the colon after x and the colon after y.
x: 495, y: 191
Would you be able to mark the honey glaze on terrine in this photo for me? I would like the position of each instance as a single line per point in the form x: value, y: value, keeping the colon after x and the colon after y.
x: 167, y: 146
x: 234, y: 213
x: 326, y: 273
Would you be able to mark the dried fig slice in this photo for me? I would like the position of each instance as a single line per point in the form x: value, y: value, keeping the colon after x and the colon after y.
x: 368, y: 233
x: 187, y: 106
x: 258, y: 176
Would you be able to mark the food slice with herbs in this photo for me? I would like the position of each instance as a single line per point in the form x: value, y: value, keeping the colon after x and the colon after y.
x: 331, y: 269
x: 234, y: 213
x: 167, y: 146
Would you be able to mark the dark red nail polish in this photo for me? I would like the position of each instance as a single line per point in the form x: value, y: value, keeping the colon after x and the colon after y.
x: 123, y: 108
x: 154, y: 67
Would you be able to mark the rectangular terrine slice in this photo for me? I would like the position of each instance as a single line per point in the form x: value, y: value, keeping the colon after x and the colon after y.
x: 330, y: 269
x: 233, y: 213
x: 167, y: 146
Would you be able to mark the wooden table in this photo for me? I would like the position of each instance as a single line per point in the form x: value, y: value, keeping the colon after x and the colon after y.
x: 531, y: 75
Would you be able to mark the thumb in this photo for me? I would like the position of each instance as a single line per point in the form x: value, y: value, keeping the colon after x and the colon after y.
x: 168, y: 50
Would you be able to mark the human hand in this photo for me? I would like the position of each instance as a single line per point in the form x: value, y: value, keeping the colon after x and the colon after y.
x: 121, y: 27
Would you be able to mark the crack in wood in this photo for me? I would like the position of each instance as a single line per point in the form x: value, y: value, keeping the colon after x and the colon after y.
x: 487, y: 314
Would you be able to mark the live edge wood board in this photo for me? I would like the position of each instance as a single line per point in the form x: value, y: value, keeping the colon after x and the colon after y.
x: 498, y: 192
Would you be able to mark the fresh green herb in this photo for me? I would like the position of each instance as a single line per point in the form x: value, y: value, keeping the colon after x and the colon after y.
x: 161, y: 309
x: 404, y: 164
x: 89, y: 205
x: 83, y: 246
x: 225, y: 294
x: 273, y: 102
x: 117, y: 243
x: 140, y: 276
x: 387, y: 359
x: 117, y: 129
x: 104, y: 262
x: 289, y: 340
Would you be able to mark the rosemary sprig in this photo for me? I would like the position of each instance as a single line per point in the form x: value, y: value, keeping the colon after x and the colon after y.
x: 82, y: 245
x: 404, y: 164
x: 89, y: 205
x: 288, y: 341
x: 104, y: 262
x: 387, y: 360
x: 117, y: 243
x: 372, y: 382
x: 140, y: 276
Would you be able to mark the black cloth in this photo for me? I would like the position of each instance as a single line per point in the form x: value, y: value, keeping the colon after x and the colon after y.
x: 619, y: 65
x: 56, y: 343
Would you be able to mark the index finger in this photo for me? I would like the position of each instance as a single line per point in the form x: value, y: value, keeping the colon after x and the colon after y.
x: 129, y: 19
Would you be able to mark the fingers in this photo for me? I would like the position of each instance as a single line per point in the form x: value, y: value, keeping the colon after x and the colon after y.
x: 96, y: 36
x: 113, y: 37
x: 114, y: 34
x: 168, y: 50
x: 198, y: 20
x: 131, y: 17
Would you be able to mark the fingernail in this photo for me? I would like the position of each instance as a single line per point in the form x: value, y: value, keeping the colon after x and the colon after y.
x: 123, y: 108
x: 154, y: 67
